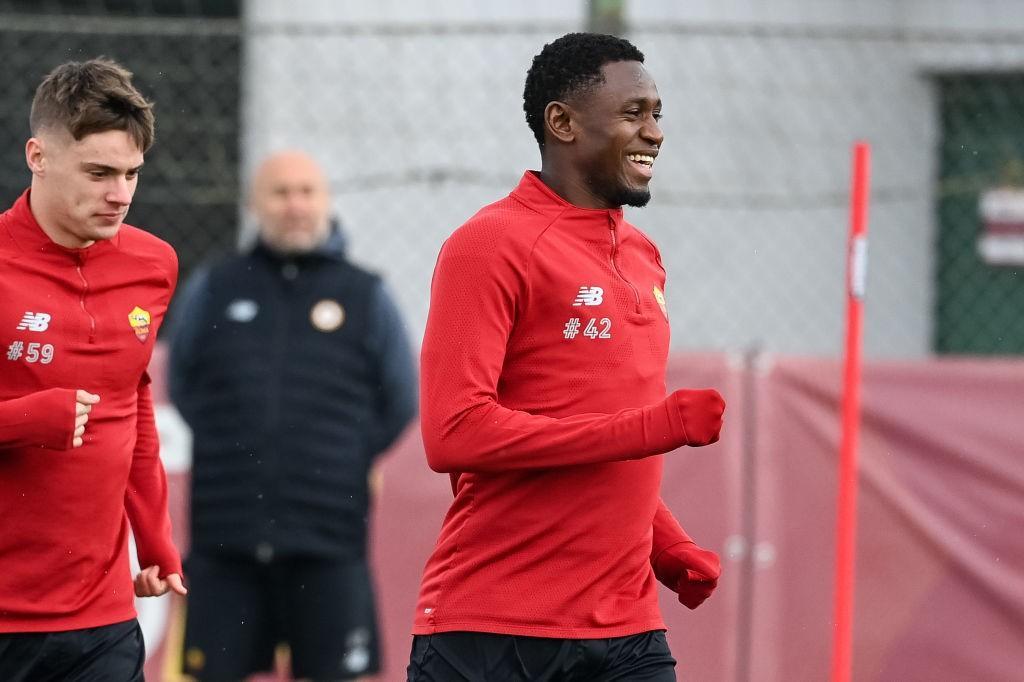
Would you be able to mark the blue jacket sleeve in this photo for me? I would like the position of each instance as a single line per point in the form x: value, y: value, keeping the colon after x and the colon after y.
x: 398, y: 389
x: 184, y: 335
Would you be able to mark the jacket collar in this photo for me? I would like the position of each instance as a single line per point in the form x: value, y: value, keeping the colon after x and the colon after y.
x: 29, y: 235
x: 534, y: 193
x: 334, y: 248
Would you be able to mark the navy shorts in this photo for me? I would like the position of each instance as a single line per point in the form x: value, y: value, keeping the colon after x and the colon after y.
x: 108, y: 652
x: 485, y: 657
x: 239, y: 611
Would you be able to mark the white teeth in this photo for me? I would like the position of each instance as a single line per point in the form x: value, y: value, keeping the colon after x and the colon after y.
x: 642, y: 158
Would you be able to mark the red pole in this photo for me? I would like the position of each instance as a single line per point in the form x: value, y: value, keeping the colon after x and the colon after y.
x: 846, y: 517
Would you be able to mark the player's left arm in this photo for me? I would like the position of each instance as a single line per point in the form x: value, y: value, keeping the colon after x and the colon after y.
x: 146, y: 503
x: 679, y: 563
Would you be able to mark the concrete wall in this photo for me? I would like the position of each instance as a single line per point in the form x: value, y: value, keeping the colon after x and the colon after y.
x: 415, y: 109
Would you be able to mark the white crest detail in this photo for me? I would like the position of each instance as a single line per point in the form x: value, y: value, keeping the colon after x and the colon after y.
x: 242, y: 310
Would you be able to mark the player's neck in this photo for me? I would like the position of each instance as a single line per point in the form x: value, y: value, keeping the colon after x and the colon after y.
x: 43, y: 211
x: 567, y: 183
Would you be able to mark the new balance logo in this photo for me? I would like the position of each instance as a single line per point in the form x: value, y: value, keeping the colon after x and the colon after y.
x: 34, y: 322
x: 589, y: 296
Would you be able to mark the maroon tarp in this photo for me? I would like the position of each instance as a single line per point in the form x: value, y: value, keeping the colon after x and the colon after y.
x: 940, y: 574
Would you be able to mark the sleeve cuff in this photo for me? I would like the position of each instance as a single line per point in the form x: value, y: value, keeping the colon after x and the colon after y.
x: 45, y: 419
x: 663, y: 427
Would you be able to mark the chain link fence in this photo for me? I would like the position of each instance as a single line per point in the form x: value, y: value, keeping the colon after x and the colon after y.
x: 189, y: 66
x: 419, y: 123
x: 980, y: 249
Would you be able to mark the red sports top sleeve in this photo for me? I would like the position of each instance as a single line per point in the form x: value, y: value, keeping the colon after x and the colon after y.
x: 666, y: 531
x: 44, y: 419
x: 476, y: 290
x: 146, y: 495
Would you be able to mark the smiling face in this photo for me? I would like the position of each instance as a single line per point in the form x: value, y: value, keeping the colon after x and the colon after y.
x: 616, y: 135
x: 81, y: 189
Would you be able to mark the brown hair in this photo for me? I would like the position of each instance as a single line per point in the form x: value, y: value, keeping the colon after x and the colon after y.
x: 92, y: 97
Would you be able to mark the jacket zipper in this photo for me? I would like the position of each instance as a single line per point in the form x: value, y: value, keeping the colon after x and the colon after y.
x: 615, y: 265
x: 81, y: 301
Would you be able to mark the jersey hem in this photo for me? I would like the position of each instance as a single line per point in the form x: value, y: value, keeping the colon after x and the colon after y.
x: 65, y: 624
x: 556, y: 632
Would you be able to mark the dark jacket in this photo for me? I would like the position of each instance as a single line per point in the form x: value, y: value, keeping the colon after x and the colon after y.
x: 294, y: 373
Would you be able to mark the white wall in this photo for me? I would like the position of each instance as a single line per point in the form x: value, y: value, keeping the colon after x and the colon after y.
x: 415, y: 108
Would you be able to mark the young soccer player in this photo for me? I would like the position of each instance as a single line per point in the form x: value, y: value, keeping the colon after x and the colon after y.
x: 543, y: 396
x: 81, y: 298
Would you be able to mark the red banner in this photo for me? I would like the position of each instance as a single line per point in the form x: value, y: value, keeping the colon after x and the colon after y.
x: 940, y: 552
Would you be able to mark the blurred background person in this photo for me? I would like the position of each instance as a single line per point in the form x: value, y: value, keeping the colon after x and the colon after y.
x: 292, y: 368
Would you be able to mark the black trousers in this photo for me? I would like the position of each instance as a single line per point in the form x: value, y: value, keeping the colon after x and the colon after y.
x: 239, y: 610
x: 108, y: 652
x: 485, y: 657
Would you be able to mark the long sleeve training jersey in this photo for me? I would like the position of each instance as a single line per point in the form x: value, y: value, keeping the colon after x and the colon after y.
x: 71, y: 319
x: 543, y: 381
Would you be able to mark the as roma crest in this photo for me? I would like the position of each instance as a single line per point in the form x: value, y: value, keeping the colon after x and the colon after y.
x: 139, y: 319
x: 659, y: 296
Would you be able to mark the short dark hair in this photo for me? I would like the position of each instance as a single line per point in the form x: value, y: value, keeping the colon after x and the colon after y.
x: 570, y: 66
x: 92, y: 97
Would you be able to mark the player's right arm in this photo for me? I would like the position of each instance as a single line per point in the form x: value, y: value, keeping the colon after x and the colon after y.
x: 54, y: 418
x: 474, y: 295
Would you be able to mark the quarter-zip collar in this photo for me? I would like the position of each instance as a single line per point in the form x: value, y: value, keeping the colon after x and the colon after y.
x: 334, y: 248
x: 29, y: 236
x: 601, y: 223
x: 534, y: 193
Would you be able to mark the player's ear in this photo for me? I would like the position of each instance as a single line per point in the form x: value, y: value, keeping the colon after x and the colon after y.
x: 558, y: 121
x: 34, y: 156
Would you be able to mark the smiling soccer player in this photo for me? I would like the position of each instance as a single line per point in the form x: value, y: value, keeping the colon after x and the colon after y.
x: 543, y: 396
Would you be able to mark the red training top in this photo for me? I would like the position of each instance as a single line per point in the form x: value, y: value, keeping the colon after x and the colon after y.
x: 543, y: 372
x: 71, y: 319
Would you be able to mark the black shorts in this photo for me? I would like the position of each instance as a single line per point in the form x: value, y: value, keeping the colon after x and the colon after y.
x: 108, y: 652
x: 480, y: 656
x: 239, y: 611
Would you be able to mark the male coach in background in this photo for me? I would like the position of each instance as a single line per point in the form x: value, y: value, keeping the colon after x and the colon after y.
x: 543, y: 396
x: 81, y: 298
x: 292, y: 367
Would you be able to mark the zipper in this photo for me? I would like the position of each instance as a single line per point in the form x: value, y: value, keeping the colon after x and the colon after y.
x: 81, y: 300
x: 615, y: 265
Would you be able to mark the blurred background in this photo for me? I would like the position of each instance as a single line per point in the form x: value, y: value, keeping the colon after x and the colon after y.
x: 415, y: 110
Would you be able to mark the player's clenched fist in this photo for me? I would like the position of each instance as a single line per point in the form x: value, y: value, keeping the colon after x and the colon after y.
x: 701, y: 413
x: 83, y: 406
x: 690, y: 571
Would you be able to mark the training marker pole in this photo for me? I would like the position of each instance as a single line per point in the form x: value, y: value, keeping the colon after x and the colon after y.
x: 846, y: 517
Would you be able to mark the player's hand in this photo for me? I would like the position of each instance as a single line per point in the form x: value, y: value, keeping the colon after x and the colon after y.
x: 83, y: 406
x: 690, y: 571
x: 701, y: 412
x: 149, y: 584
